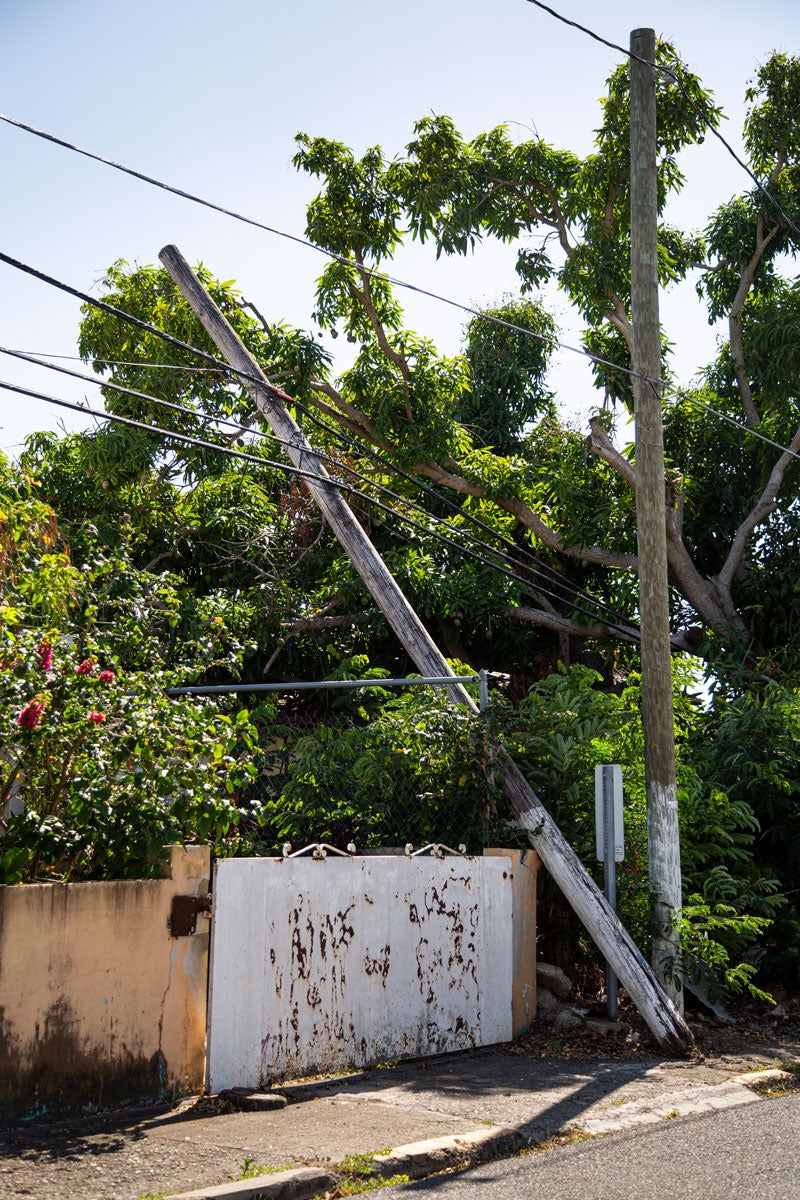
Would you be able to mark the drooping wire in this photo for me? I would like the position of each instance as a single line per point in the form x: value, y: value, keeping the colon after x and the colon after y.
x: 554, y: 578
x: 196, y: 351
x: 372, y: 272
x: 630, y: 633
x: 137, y: 322
x: 220, y: 363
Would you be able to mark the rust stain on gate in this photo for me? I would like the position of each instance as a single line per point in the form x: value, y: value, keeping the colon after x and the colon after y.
x: 324, y: 965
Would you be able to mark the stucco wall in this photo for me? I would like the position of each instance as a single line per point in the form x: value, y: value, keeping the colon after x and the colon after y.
x: 99, y: 1004
x: 524, y: 866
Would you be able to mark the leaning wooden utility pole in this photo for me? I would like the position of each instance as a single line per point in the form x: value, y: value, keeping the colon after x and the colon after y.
x: 665, y: 1023
x: 657, y: 713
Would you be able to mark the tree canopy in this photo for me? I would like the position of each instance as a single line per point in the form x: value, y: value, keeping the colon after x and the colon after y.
x: 481, y: 430
x: 513, y: 533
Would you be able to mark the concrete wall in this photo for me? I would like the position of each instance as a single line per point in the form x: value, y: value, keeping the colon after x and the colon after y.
x: 99, y: 1004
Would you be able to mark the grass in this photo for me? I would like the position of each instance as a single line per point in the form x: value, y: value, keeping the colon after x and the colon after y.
x: 359, y: 1175
x: 567, y: 1137
x: 250, y: 1169
x: 354, y: 1187
x: 361, y: 1164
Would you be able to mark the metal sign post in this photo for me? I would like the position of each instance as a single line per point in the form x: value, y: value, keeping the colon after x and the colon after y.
x: 610, y: 832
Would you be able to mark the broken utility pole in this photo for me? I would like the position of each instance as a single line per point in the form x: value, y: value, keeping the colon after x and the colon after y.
x: 665, y: 1023
x: 663, y: 837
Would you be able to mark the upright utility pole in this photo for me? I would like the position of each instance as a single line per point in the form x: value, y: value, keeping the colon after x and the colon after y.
x: 657, y: 713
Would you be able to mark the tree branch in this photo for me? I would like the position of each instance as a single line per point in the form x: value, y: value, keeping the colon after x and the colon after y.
x: 600, y: 444
x: 765, y: 505
x: 356, y: 421
x: 617, y: 316
x: 735, y: 321
x: 364, y: 296
x: 527, y: 517
x: 598, y: 629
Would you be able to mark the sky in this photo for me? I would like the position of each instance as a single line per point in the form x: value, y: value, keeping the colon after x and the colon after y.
x: 208, y: 97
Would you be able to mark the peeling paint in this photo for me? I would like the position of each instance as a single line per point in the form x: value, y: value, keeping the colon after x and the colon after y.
x: 373, y: 959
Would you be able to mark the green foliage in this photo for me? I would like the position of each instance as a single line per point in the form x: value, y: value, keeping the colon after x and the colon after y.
x: 563, y: 729
x: 415, y: 765
x: 508, y: 375
x: 98, y: 769
x: 772, y: 128
x: 750, y: 747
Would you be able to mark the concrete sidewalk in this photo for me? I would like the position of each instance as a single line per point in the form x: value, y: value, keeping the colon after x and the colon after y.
x: 430, y: 1114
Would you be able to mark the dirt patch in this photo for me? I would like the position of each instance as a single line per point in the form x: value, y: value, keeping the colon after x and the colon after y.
x: 740, y: 1045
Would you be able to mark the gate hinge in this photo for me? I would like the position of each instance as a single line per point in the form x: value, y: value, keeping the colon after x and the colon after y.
x: 182, y: 920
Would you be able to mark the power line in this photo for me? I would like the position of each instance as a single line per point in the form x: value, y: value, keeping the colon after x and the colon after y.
x: 384, y: 276
x: 629, y: 632
x: 370, y: 271
x: 694, y: 106
x: 40, y: 355
x: 114, y: 312
x: 554, y: 578
x: 121, y: 315
x: 138, y: 323
x: 715, y: 412
x: 281, y: 233
x: 219, y: 363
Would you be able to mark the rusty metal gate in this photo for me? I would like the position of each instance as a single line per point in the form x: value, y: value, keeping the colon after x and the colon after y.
x: 320, y: 965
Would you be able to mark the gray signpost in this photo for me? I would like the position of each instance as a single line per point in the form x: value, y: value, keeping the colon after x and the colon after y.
x: 610, y: 832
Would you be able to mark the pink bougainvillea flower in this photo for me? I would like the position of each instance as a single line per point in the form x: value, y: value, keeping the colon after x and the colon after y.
x: 31, y: 714
x: 44, y: 656
x: 105, y: 677
x: 95, y: 717
x: 86, y: 667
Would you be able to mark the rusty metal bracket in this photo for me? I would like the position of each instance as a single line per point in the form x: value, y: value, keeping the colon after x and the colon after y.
x: 182, y: 920
x: 437, y: 849
x: 319, y: 850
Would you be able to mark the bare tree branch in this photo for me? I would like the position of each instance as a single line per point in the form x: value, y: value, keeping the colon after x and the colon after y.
x: 600, y: 444
x: 746, y: 279
x: 765, y: 505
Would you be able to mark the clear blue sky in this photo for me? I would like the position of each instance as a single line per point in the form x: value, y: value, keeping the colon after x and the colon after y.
x: 208, y: 96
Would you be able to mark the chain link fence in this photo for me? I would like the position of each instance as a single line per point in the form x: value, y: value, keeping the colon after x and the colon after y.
x: 373, y: 763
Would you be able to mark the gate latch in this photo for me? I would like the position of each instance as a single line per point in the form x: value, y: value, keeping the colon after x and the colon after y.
x: 182, y: 920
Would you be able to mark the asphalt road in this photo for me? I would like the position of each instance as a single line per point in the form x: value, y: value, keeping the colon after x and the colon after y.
x: 746, y: 1153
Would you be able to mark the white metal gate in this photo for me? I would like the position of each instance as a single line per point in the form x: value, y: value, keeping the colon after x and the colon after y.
x: 321, y: 965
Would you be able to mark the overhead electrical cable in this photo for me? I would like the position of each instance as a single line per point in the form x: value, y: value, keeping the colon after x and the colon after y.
x: 137, y: 322
x: 630, y: 632
x: 673, y: 75
x: 222, y: 364
x: 372, y: 272
x: 554, y: 579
